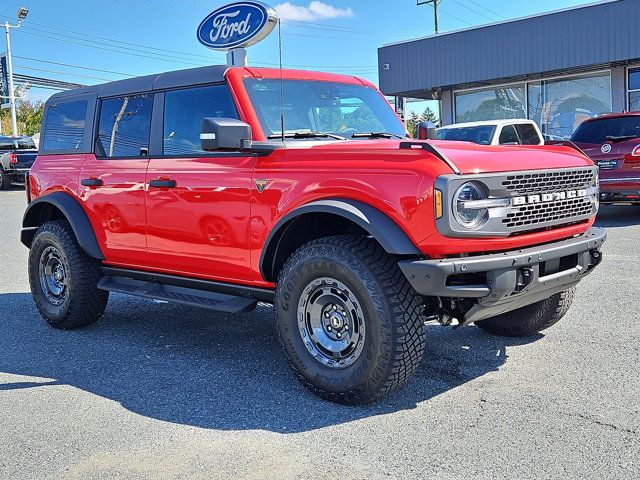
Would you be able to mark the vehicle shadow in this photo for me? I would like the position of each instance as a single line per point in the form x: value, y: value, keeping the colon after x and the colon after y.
x: 611, y: 216
x: 194, y: 367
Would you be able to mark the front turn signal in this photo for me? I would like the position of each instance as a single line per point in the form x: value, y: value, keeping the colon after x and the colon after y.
x: 437, y: 198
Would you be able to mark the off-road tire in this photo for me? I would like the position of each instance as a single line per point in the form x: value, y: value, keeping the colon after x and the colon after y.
x: 83, y: 303
x: 395, y: 334
x: 531, y: 319
x: 5, y: 181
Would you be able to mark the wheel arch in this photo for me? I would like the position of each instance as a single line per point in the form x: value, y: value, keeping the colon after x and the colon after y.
x: 348, y: 216
x: 60, y: 205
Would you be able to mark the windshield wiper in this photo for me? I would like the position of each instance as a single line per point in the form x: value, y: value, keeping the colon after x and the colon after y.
x: 613, y: 138
x: 376, y: 135
x: 305, y: 135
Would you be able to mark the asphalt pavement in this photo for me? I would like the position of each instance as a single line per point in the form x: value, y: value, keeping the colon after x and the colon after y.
x: 164, y: 391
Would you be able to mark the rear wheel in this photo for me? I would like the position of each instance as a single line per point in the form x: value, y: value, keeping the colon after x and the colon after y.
x: 350, y: 324
x: 64, y: 278
x: 532, y: 318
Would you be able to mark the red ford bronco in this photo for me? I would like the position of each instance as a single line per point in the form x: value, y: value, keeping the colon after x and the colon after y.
x: 221, y: 187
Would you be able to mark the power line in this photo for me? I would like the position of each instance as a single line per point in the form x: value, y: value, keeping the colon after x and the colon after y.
x: 473, y: 10
x: 74, y: 66
x: 78, y: 75
x: 488, y: 10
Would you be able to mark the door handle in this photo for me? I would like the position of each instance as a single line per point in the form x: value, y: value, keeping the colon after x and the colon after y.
x: 162, y: 183
x: 91, y: 182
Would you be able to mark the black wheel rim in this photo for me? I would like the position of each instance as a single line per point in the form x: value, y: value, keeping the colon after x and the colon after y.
x: 53, y: 276
x: 331, y: 323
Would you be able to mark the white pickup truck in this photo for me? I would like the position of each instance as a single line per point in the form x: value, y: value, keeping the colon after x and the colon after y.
x: 494, y: 132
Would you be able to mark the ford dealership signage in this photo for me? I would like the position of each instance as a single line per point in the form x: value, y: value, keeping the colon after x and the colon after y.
x: 237, y: 25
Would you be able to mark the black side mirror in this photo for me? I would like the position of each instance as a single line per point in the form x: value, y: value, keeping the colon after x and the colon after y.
x: 427, y: 131
x: 224, y: 134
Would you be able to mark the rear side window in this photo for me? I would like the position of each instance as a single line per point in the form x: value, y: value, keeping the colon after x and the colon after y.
x: 183, y: 114
x: 64, y: 126
x: 600, y: 131
x: 509, y: 135
x: 528, y: 134
x: 124, y: 126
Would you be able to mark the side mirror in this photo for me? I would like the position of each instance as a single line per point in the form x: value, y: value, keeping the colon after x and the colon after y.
x: 224, y: 134
x: 427, y: 131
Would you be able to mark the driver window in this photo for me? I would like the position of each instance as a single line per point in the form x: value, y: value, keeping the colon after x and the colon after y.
x: 184, y: 110
x: 509, y: 136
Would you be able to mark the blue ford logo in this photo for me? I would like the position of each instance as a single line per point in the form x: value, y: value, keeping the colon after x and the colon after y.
x: 237, y: 25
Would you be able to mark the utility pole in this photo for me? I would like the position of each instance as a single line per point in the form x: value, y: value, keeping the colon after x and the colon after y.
x: 22, y: 14
x: 435, y: 4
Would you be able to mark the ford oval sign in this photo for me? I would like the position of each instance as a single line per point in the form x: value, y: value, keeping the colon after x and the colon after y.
x: 237, y: 25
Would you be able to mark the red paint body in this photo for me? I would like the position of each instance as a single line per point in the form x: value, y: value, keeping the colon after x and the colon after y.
x: 620, y: 165
x: 214, y: 223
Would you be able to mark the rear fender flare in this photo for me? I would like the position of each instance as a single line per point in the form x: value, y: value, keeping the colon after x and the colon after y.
x: 74, y: 214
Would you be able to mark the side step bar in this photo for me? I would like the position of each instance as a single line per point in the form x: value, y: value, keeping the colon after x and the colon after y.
x: 151, y: 287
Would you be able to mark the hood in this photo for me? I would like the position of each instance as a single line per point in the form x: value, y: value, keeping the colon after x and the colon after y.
x: 468, y: 157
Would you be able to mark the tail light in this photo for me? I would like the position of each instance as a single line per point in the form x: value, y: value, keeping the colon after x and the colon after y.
x: 13, y: 158
x: 634, y: 156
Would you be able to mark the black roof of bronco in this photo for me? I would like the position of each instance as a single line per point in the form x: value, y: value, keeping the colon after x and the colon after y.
x: 147, y: 83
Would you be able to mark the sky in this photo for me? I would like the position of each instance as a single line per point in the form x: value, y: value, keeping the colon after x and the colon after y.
x: 94, y: 41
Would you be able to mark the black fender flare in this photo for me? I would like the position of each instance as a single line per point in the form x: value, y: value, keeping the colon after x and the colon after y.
x: 73, y: 212
x: 385, y: 230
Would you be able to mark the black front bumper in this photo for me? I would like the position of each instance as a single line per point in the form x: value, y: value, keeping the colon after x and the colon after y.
x: 502, y: 282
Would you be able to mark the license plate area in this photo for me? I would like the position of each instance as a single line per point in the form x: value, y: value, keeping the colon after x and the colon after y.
x: 608, y: 164
x: 556, y: 265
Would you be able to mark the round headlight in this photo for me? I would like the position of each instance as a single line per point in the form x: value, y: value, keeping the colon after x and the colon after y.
x: 471, y: 218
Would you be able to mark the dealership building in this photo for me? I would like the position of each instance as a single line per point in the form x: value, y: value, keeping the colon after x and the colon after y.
x: 557, y: 68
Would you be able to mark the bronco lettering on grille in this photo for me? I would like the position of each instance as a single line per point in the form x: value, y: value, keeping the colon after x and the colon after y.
x: 548, y: 197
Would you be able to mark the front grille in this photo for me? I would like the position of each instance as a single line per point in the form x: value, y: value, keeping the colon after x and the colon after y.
x: 550, y: 181
x: 559, y: 212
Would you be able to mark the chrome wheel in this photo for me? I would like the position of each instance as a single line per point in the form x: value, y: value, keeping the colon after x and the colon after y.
x: 53, y: 276
x: 331, y: 323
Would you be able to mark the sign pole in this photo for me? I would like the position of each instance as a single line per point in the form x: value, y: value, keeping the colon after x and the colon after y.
x: 237, y: 57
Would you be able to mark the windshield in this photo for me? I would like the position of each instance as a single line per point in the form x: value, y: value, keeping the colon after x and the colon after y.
x: 321, y: 107
x: 597, y: 131
x: 16, y: 143
x: 481, y: 134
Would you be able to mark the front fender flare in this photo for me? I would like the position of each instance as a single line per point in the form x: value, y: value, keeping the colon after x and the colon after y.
x: 386, y: 231
x: 72, y: 211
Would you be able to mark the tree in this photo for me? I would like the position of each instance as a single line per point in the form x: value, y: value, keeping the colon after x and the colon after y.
x: 28, y: 116
x: 429, y: 116
x: 412, y: 123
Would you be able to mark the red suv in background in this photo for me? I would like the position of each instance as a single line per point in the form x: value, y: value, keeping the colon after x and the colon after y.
x: 613, y: 143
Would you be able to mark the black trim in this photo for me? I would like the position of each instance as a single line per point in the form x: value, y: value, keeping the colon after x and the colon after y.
x: 431, y: 149
x: 262, y: 294
x: 91, y: 182
x: 387, y: 232
x: 74, y: 214
x: 162, y: 183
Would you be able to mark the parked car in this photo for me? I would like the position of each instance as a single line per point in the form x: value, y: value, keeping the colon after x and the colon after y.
x: 613, y: 143
x: 17, y: 154
x: 494, y: 132
x: 191, y: 187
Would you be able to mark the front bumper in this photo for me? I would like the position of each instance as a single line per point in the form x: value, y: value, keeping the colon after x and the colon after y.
x: 502, y: 282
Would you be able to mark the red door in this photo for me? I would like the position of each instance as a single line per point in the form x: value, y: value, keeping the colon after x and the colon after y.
x: 198, y: 216
x: 114, y: 194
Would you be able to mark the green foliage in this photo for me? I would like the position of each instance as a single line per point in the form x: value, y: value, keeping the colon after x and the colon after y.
x: 28, y: 115
x: 414, y: 119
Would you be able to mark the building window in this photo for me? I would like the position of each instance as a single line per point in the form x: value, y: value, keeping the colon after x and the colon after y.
x: 491, y: 104
x: 559, y: 106
x: 634, y: 90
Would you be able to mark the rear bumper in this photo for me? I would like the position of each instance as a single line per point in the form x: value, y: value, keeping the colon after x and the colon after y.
x: 502, y: 282
x: 621, y: 196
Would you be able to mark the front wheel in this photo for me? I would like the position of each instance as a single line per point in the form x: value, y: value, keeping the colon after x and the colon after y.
x: 350, y: 323
x: 64, y: 278
x: 532, y: 318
